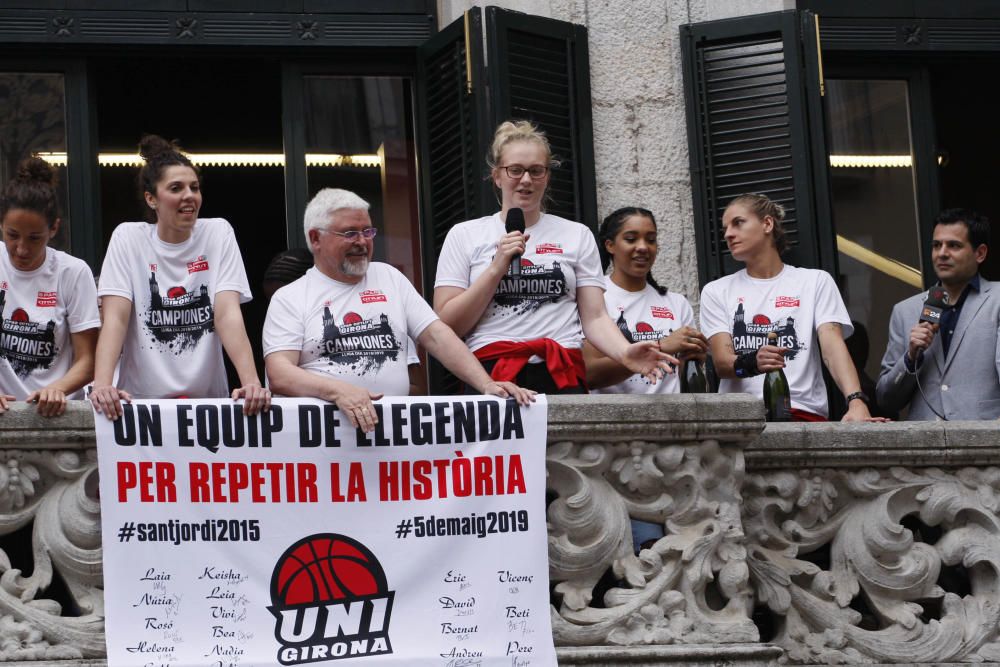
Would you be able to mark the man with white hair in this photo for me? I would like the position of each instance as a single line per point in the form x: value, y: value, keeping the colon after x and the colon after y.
x: 339, y: 333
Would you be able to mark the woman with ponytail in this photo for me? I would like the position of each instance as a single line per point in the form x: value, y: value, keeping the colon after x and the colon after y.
x: 802, y: 307
x: 642, y: 309
x: 171, y: 294
x: 48, y: 304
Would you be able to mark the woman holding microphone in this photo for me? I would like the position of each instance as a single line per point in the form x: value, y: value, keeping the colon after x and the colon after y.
x: 523, y: 298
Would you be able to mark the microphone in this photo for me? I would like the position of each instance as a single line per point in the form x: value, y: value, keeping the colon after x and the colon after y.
x: 934, y: 305
x: 515, y: 223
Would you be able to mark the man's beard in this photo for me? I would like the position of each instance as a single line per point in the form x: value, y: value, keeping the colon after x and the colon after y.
x: 355, y: 266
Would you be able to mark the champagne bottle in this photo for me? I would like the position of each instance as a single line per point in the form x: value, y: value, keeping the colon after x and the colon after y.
x: 693, y: 380
x: 777, y: 397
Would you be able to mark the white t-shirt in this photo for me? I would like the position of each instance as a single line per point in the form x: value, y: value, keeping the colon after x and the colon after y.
x: 646, y: 315
x: 793, y: 304
x: 561, y: 256
x: 38, y: 311
x: 171, y: 348
x: 357, y: 333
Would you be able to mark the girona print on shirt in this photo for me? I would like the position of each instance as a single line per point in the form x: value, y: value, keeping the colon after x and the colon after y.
x: 642, y: 330
x: 27, y: 346
x: 178, y: 320
x: 358, y: 344
x: 751, y: 336
x: 538, y: 283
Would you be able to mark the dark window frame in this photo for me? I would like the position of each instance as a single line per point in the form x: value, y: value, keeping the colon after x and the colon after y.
x: 809, y: 174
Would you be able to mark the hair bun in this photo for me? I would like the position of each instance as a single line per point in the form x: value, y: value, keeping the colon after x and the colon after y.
x: 36, y: 170
x: 152, y: 145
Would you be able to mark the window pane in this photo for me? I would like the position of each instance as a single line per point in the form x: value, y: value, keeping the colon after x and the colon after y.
x: 359, y: 137
x: 874, y: 202
x: 33, y: 120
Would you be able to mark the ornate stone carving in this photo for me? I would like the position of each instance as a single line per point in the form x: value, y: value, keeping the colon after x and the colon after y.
x: 55, y: 490
x: 881, y: 597
x: 691, y: 586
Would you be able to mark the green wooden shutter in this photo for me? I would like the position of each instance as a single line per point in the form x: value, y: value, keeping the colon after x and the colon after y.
x: 452, y: 129
x: 451, y: 118
x: 540, y: 71
x: 752, y: 88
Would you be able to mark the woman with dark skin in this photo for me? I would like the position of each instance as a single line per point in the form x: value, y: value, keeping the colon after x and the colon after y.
x: 642, y: 308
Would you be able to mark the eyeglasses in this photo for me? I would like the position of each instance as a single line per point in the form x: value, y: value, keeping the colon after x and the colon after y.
x: 535, y: 171
x: 354, y: 235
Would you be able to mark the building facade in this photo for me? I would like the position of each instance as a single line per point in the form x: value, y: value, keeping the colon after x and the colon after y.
x: 864, y: 119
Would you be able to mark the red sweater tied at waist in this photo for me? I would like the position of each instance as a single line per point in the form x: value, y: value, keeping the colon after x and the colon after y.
x: 564, y: 365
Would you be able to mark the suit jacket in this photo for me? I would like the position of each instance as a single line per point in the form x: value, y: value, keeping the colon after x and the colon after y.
x: 966, y: 384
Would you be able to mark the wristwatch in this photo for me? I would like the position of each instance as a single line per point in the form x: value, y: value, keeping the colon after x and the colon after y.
x: 858, y: 394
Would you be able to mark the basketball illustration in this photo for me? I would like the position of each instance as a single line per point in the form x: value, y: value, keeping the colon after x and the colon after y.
x: 761, y: 319
x: 643, y: 327
x: 175, y: 292
x: 325, y: 567
x: 352, y: 318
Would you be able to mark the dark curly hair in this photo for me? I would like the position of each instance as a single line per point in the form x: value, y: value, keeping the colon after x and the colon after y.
x: 158, y: 154
x: 609, y: 230
x: 32, y: 189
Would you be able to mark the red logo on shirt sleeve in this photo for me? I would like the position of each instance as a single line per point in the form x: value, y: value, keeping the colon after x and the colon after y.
x: 786, y: 302
x: 662, y: 312
x: 46, y: 300
x: 200, y: 264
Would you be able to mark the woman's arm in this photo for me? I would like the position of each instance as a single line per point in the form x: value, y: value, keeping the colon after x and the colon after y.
x: 601, y: 370
x: 644, y: 358
x: 462, y: 308
x: 106, y: 398
x: 767, y: 357
x: 52, y: 399
x: 841, y: 366
x: 233, y: 334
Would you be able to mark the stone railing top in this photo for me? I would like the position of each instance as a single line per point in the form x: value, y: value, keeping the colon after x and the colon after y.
x: 22, y: 428
x: 911, y: 444
x: 679, y: 417
x: 671, y: 418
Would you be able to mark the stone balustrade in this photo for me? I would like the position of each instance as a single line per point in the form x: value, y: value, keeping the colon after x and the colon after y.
x: 801, y: 543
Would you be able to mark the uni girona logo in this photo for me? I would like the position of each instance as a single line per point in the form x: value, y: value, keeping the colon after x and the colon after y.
x: 330, y: 599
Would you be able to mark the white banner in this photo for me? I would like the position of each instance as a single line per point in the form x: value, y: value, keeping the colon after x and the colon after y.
x: 290, y: 538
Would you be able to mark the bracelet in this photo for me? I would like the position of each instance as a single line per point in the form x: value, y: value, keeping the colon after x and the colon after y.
x: 745, y: 365
x: 858, y: 394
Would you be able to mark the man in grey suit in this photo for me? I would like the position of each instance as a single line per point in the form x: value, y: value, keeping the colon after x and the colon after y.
x: 952, y: 370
